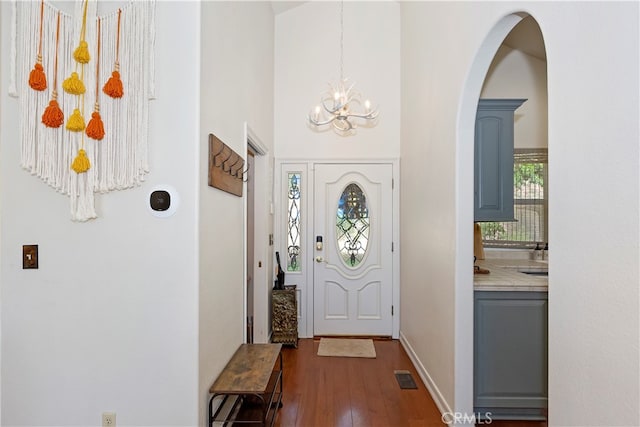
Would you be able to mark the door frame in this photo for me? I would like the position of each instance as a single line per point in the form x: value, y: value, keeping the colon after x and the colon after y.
x: 261, y: 227
x: 308, y: 241
x: 465, y: 136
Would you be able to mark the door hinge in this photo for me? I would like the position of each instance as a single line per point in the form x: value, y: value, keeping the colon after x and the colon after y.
x: 392, y: 183
x: 391, y: 246
x: 392, y: 310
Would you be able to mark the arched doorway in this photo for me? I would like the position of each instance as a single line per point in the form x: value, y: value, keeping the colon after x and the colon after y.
x: 464, y: 299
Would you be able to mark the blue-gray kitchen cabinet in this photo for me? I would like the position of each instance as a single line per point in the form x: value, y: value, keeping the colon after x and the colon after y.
x: 493, y: 174
x: 510, y: 354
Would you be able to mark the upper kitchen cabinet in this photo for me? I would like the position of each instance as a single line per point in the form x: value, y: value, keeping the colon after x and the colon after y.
x: 493, y: 189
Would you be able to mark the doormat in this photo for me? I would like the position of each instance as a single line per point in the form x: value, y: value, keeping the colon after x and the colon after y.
x: 343, y: 347
x: 405, y: 380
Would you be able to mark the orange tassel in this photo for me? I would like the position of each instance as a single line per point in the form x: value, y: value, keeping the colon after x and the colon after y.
x: 95, y: 127
x: 113, y: 87
x: 37, y: 78
x: 53, y: 116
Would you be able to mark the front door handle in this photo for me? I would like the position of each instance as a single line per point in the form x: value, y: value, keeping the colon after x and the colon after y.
x: 319, y: 259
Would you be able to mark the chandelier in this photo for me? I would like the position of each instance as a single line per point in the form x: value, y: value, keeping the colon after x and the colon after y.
x: 341, y: 105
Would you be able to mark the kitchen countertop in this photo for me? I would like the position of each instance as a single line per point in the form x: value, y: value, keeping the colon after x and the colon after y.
x: 506, y: 275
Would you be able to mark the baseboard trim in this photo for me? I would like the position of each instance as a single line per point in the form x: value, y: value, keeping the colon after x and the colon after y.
x: 431, y: 386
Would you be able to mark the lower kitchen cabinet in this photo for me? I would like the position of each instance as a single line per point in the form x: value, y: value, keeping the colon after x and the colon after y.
x: 510, y: 354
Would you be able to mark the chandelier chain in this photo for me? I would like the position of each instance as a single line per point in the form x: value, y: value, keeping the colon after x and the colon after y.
x: 341, y: 40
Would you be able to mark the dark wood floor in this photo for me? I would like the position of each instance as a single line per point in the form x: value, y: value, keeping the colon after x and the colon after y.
x: 342, y: 391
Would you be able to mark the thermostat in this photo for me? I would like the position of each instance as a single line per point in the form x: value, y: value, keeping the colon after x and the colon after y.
x: 163, y: 201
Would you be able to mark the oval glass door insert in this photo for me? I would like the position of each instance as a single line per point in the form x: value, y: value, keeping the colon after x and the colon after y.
x: 352, y: 225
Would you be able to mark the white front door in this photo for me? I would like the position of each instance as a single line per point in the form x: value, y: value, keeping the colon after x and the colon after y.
x: 353, y: 292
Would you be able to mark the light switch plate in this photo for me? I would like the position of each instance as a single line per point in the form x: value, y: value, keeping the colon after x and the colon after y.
x: 29, y: 257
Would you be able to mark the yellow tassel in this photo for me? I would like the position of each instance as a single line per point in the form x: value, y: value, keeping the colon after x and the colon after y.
x: 95, y: 127
x: 37, y: 78
x: 81, y: 162
x: 75, y: 122
x: 81, y: 54
x: 53, y: 116
x: 73, y: 85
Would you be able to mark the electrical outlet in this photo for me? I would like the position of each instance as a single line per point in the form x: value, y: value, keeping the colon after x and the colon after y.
x: 108, y: 419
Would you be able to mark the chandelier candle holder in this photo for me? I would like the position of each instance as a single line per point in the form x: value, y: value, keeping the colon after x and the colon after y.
x: 341, y: 106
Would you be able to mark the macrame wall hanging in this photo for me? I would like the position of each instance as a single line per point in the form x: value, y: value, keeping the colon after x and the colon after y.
x: 115, y: 52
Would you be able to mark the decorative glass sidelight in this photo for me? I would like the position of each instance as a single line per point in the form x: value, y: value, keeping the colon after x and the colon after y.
x: 293, y: 222
x: 352, y: 225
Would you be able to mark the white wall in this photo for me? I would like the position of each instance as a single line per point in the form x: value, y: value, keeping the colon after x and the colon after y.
x: 109, y: 320
x: 593, y: 143
x: 593, y: 311
x: 434, y: 64
x: 307, y: 59
x: 514, y: 74
x: 1, y: 107
x: 236, y: 85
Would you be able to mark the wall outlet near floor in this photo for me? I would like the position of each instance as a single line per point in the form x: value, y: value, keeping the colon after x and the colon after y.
x: 108, y: 419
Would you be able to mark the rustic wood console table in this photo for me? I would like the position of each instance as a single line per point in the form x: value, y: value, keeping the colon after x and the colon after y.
x: 249, y: 388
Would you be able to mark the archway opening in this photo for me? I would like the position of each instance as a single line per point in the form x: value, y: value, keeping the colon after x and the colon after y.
x: 510, y: 63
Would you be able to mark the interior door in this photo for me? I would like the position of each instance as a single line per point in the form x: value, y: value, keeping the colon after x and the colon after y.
x: 353, y: 265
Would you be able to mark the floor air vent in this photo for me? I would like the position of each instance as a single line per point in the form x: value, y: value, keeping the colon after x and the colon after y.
x: 405, y: 380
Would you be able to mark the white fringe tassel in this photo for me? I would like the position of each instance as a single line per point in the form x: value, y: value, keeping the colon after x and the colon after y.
x: 120, y: 160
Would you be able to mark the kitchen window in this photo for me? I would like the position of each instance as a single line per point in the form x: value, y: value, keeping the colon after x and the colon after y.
x: 530, y: 191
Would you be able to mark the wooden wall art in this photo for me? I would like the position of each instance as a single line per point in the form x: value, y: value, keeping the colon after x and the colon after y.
x: 226, y: 167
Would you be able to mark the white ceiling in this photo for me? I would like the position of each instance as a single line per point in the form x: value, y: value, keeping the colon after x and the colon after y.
x: 525, y: 37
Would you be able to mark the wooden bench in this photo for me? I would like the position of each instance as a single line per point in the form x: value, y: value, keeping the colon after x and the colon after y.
x: 249, y: 388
